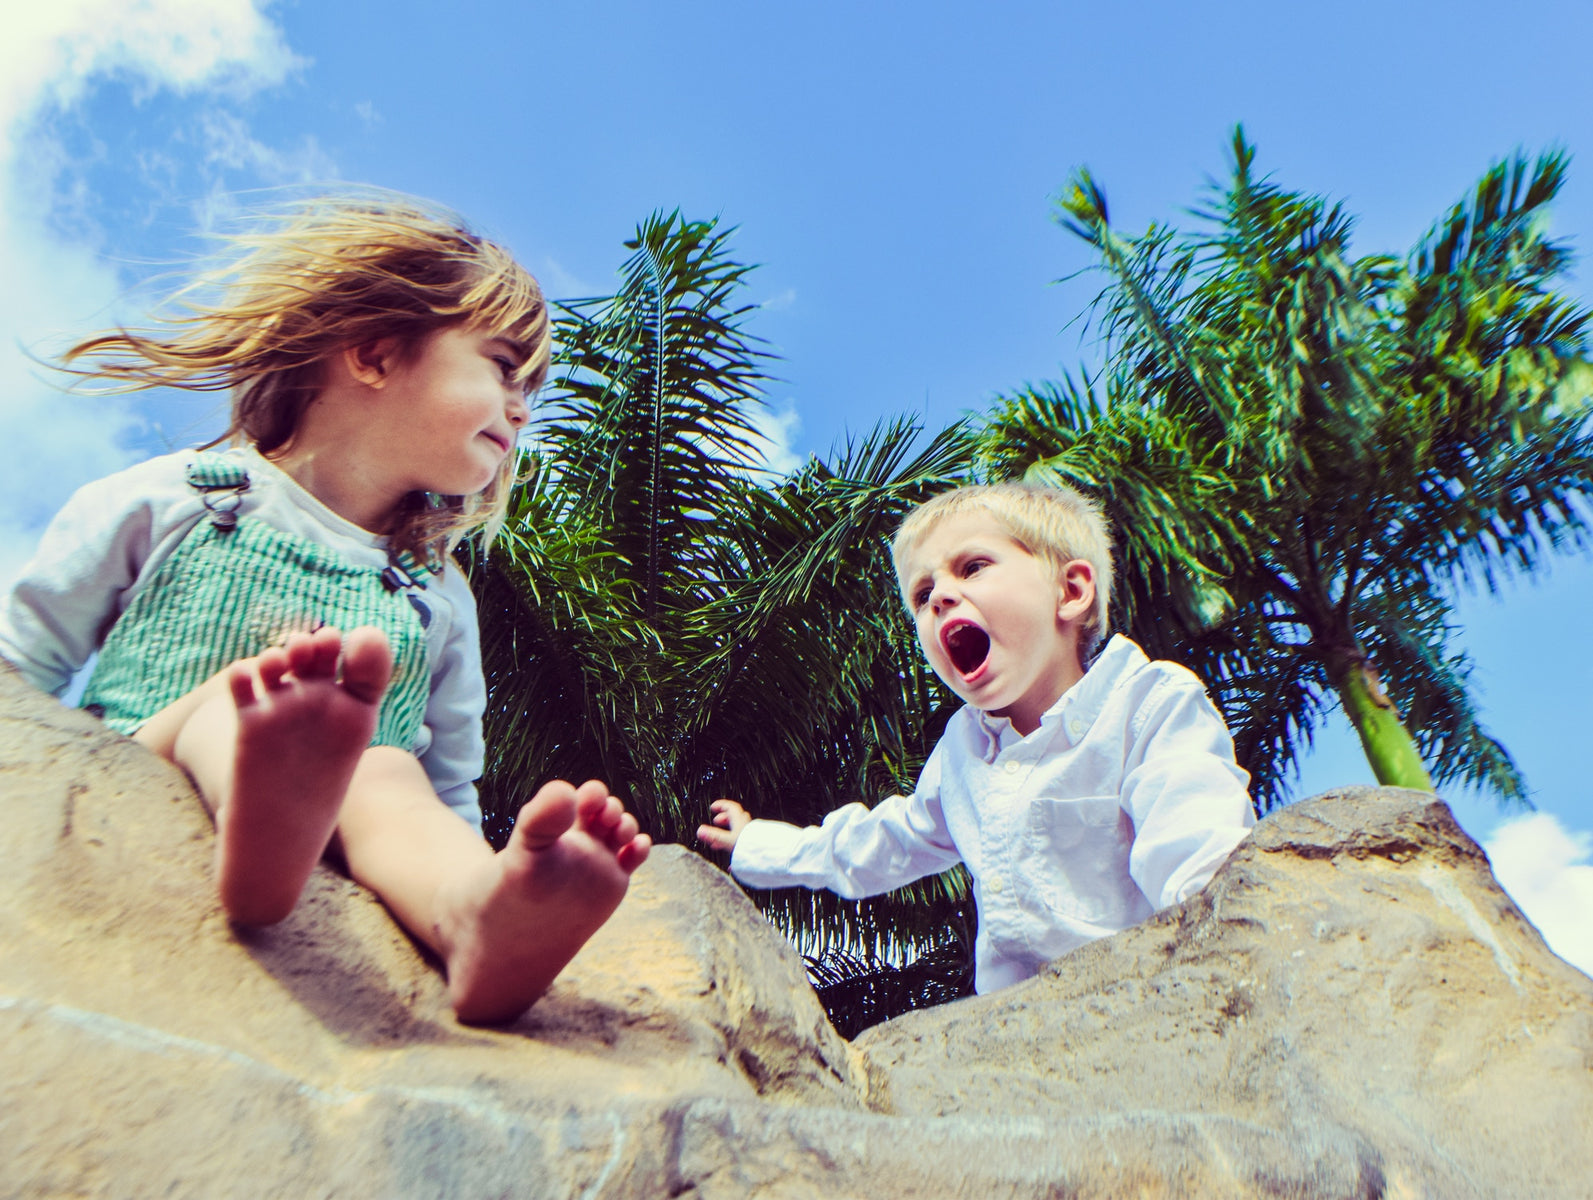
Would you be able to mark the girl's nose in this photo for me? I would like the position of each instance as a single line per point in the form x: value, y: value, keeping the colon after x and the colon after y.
x: 518, y: 412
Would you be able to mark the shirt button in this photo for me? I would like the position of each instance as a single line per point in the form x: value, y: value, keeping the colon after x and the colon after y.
x: 995, y: 884
x: 1076, y: 727
x: 1012, y: 766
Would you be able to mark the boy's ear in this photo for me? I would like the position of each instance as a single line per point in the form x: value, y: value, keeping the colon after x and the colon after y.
x: 371, y: 363
x: 1075, y: 591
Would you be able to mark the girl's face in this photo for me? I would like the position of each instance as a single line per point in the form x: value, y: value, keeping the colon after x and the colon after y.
x: 453, y: 410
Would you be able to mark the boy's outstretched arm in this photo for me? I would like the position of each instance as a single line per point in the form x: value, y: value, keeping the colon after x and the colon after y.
x: 729, y: 819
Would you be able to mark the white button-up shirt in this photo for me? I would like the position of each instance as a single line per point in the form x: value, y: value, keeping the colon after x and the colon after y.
x: 1125, y: 800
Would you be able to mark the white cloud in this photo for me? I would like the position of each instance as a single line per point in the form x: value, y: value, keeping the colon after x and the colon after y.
x: 229, y: 143
x: 780, y: 300
x: 50, y: 53
x: 559, y: 283
x: 57, y: 285
x: 777, y: 430
x: 1545, y: 868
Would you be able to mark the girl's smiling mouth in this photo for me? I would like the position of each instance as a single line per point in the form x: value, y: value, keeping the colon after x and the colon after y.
x: 968, y: 647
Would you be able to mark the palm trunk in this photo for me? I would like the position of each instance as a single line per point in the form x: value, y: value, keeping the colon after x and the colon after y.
x: 1388, y: 744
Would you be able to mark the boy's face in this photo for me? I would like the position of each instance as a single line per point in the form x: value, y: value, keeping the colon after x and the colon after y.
x: 995, y: 622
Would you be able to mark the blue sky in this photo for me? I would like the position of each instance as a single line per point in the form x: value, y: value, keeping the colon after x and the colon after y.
x: 890, y: 165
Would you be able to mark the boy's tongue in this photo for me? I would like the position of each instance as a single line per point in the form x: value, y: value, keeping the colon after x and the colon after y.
x: 967, y: 646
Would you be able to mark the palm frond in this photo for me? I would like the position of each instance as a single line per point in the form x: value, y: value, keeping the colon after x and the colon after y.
x: 660, y: 615
x: 1302, y: 449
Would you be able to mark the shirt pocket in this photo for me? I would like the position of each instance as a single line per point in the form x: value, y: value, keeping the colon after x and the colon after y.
x: 1078, y: 859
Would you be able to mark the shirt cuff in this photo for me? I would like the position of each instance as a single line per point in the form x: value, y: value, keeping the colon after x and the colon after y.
x: 763, y: 853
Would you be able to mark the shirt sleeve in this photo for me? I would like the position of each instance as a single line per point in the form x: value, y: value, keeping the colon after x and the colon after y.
x: 91, y: 556
x: 456, y: 754
x: 1187, y: 796
x: 857, y: 851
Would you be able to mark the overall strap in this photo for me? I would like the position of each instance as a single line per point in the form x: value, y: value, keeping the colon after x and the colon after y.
x: 406, y: 573
x: 404, y: 570
x: 221, y: 483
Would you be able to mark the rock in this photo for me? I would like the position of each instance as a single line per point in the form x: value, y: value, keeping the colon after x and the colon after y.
x: 1353, y: 1008
x: 150, y: 1049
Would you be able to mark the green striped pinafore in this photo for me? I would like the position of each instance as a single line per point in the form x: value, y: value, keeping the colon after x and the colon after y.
x: 235, y: 586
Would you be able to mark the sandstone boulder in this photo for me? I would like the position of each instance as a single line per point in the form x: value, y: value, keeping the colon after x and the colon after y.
x: 1352, y: 1009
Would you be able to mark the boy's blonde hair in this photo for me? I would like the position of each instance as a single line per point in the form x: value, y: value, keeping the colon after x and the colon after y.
x: 1051, y: 522
x: 304, y: 282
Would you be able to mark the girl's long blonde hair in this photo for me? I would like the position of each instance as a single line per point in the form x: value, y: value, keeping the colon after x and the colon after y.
x: 307, y: 280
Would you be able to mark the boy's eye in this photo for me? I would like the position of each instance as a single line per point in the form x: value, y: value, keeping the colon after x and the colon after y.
x: 974, y: 566
x: 921, y: 597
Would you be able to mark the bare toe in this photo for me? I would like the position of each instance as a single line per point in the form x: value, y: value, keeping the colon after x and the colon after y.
x: 599, y: 816
x: 545, y: 817
x: 634, y: 853
x: 307, y: 656
x: 240, y: 682
x: 367, y: 662
x: 625, y: 830
x: 591, y: 798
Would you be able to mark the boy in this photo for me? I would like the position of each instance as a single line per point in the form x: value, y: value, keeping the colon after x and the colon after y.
x: 1081, y: 800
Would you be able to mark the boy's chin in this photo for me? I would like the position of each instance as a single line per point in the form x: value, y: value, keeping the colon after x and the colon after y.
x: 955, y: 683
x: 972, y: 697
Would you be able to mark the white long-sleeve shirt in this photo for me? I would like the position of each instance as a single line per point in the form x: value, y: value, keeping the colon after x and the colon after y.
x: 114, y: 534
x: 1125, y: 800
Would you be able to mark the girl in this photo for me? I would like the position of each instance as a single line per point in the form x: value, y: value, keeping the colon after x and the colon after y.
x: 379, y: 357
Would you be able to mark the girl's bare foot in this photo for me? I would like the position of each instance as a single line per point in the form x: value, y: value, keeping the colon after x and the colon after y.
x: 508, y: 928
x: 300, y: 732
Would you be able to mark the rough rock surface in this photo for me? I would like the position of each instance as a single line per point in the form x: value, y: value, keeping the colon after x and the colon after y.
x: 1352, y: 1009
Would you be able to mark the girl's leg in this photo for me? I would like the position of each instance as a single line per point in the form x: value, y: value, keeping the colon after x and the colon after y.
x: 273, y: 752
x: 504, y: 924
x: 159, y: 733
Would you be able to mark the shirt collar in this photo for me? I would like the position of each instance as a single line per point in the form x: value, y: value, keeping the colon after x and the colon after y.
x: 1082, y: 702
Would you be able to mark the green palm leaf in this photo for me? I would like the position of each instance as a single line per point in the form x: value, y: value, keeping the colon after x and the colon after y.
x: 1304, y: 451
x: 662, y: 615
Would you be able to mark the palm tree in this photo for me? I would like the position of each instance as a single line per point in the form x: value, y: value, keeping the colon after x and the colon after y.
x: 1303, y: 451
x: 664, y: 615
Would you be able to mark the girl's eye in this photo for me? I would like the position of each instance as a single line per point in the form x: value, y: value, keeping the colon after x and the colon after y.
x: 507, y: 367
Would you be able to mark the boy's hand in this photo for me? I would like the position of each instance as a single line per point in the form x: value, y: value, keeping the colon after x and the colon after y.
x: 728, y: 821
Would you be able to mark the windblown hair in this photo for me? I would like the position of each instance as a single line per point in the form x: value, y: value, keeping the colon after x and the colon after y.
x: 308, y: 280
x: 1055, y: 524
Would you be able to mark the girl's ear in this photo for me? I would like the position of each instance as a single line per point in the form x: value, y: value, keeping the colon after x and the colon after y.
x: 371, y: 363
x: 1075, y: 591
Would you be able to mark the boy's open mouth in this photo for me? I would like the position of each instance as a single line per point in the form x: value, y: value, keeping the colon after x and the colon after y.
x: 966, y: 645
